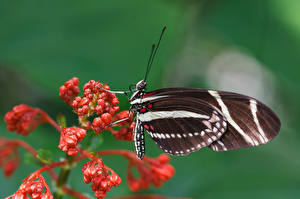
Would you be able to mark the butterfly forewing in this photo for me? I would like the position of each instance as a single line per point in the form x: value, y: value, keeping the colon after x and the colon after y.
x: 181, y: 125
x: 252, y: 122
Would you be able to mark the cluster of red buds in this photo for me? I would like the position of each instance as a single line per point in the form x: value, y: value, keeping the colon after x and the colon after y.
x: 96, y: 172
x: 24, y: 119
x: 69, y: 90
x: 34, y: 186
x: 69, y: 138
x: 9, y: 157
x: 97, y: 100
x: 152, y: 171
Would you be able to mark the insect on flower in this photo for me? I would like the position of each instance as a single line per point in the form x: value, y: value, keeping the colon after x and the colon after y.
x: 184, y: 120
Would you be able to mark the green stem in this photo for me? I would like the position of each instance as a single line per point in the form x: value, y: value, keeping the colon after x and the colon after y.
x: 63, y: 177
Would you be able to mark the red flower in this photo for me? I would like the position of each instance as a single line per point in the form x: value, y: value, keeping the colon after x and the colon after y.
x: 35, y: 186
x: 24, y: 119
x: 151, y: 172
x: 96, y: 172
x: 9, y: 158
x: 97, y: 100
x: 69, y: 90
x: 69, y: 138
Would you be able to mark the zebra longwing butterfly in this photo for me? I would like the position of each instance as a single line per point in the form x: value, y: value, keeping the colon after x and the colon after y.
x: 184, y: 120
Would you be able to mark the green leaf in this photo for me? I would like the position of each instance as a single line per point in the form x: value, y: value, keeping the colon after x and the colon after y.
x: 44, y: 155
x: 61, y: 120
x: 30, y: 160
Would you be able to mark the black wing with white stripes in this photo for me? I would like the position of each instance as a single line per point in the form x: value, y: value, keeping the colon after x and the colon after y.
x: 183, y: 120
x: 181, y: 125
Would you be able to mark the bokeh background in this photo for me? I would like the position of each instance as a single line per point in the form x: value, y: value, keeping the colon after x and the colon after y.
x: 249, y: 46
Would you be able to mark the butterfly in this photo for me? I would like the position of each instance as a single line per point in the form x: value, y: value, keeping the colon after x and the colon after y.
x: 184, y: 120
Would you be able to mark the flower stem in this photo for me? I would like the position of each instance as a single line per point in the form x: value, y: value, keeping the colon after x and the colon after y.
x: 63, y: 177
x: 74, y: 193
x: 51, y: 121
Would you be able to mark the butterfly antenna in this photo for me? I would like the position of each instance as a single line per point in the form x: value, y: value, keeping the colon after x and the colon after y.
x: 149, y: 61
x: 153, y: 53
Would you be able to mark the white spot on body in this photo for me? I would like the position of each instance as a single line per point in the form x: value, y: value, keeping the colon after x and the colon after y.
x: 173, y: 135
x: 202, y: 133
x: 196, y: 133
x: 163, y: 136
x: 218, y: 124
x: 167, y: 136
x: 191, y: 135
x: 178, y: 135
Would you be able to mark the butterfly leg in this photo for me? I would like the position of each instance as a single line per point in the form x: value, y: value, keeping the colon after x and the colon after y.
x: 117, y: 92
x: 118, y: 121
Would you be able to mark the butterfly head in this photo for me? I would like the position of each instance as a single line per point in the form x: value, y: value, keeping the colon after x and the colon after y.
x: 141, y: 85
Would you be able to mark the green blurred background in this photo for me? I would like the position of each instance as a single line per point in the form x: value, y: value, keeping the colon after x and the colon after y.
x: 249, y: 46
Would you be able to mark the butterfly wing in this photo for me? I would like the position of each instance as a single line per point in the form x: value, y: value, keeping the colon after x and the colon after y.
x: 181, y: 125
x: 249, y: 122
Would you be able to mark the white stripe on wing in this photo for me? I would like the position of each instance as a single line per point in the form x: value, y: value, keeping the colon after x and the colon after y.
x: 226, y: 113
x: 154, y: 115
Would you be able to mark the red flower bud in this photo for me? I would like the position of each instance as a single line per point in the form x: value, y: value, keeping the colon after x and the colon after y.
x: 69, y: 138
x: 35, y: 187
x: 69, y: 90
x: 151, y: 172
x: 24, y: 119
x: 106, y: 118
x: 96, y: 172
